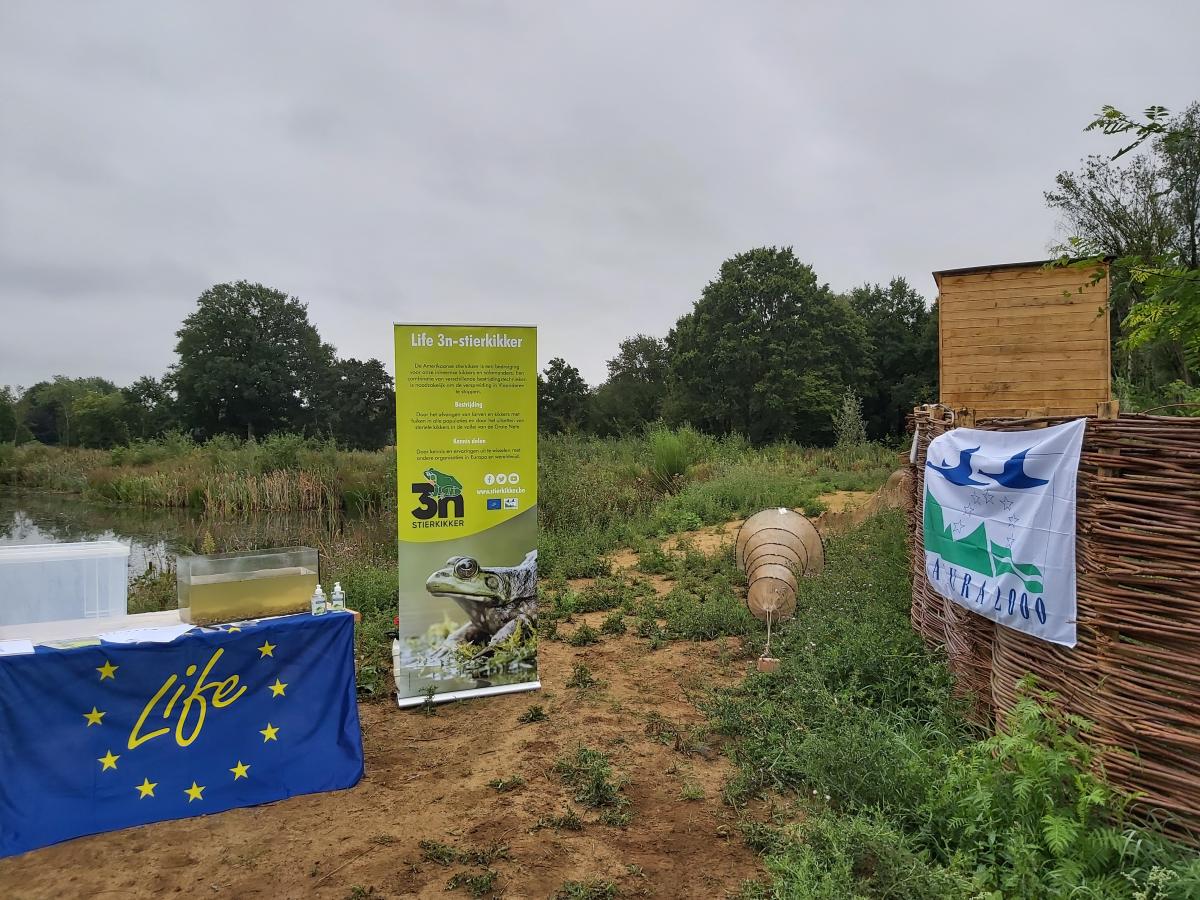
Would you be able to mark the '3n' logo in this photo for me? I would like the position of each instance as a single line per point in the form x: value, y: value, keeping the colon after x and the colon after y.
x: 440, y: 496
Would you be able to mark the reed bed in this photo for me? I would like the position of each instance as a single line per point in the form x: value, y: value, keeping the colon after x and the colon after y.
x: 280, y: 474
x: 43, y: 468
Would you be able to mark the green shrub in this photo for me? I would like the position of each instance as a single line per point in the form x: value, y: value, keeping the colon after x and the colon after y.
x: 655, y: 561
x: 1030, y: 808
x: 848, y: 423
x: 568, y: 821
x: 614, y: 623
x: 609, y: 593
x: 673, y: 452
x: 832, y: 857
x: 153, y: 591
x: 535, y: 713
x: 582, y: 678
x: 584, y: 635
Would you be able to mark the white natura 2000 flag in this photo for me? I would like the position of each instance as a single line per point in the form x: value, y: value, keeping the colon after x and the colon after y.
x: 1000, y: 525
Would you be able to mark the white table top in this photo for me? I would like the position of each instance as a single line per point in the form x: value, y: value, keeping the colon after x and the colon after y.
x: 73, y: 629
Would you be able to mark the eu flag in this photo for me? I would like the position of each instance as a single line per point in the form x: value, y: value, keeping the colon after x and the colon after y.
x: 107, y: 736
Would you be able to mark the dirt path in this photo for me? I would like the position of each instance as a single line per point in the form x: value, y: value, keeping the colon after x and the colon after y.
x: 427, y: 779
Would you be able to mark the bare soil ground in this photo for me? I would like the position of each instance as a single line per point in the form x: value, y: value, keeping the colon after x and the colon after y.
x: 427, y: 779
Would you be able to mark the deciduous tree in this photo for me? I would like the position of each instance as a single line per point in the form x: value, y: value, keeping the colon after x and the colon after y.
x: 358, y: 404
x: 767, y: 351
x: 636, y: 387
x: 562, y: 397
x: 149, y: 408
x: 250, y: 362
x: 8, y: 415
x: 47, y: 408
x: 1144, y: 212
x: 100, y: 420
x: 904, y: 363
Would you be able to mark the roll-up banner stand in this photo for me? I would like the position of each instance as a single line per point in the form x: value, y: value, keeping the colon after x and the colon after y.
x: 466, y: 476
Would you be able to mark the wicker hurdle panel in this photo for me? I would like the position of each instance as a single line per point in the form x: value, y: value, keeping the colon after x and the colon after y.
x: 1135, y: 672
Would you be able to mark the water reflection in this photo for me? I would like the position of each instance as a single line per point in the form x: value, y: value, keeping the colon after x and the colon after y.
x: 156, y: 537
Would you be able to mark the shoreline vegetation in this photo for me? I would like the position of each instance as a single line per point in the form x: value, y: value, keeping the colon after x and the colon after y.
x: 930, y: 806
x: 587, y: 479
x: 595, y: 495
x: 225, y: 476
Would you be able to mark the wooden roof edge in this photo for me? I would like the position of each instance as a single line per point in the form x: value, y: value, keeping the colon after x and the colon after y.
x: 974, y: 270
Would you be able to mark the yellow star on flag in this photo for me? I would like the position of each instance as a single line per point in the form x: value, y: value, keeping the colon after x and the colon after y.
x: 269, y: 733
x: 195, y: 792
x: 108, y: 761
x: 93, y: 717
x: 277, y: 688
x: 146, y: 788
x: 267, y: 649
x: 108, y: 670
x: 233, y: 628
x: 240, y: 770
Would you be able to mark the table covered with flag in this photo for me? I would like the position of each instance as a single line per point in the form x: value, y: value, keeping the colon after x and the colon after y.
x: 101, y: 737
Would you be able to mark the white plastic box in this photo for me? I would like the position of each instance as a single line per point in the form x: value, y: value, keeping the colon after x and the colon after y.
x: 49, y: 582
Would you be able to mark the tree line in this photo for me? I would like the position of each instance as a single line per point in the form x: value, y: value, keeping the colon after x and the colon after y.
x: 250, y: 364
x: 767, y: 351
x: 771, y: 353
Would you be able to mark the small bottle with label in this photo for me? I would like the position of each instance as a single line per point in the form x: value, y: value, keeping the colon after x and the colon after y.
x: 318, y: 602
x: 337, y: 599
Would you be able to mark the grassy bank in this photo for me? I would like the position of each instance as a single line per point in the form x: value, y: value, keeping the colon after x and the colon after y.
x: 878, y: 786
x: 882, y: 788
x: 595, y: 493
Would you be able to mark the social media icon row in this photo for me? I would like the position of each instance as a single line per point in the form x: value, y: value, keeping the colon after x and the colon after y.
x: 511, y: 478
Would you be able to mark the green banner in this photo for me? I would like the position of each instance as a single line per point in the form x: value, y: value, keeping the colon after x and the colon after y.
x: 466, y: 479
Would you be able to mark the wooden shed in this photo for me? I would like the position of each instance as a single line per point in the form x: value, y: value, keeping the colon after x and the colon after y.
x: 1022, y: 339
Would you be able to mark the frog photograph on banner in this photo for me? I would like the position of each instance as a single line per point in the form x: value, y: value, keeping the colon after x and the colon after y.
x: 466, y: 477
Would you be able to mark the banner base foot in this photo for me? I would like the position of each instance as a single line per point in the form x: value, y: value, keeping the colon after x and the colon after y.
x: 410, y: 702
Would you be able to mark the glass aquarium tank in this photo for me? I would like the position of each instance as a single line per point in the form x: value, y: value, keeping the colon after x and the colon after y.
x: 55, y: 582
x: 227, y: 587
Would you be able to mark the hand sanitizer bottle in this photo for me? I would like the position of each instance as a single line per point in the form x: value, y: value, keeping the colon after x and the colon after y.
x: 318, y: 602
x: 337, y: 599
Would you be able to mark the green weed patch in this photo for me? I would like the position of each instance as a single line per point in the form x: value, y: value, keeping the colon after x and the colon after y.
x: 902, y: 798
x: 590, y: 773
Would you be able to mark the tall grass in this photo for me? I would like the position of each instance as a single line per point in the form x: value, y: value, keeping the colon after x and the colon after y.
x: 593, y: 492
x: 226, y: 476
x: 597, y: 494
x: 672, y: 452
x: 43, y: 468
x: 894, y: 795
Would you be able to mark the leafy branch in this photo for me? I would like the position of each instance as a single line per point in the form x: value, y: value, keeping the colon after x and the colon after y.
x: 1111, y: 120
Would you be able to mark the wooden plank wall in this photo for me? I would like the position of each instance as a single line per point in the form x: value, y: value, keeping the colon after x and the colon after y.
x: 1017, y: 341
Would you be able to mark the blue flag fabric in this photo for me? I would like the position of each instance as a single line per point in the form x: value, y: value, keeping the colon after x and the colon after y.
x: 103, y: 737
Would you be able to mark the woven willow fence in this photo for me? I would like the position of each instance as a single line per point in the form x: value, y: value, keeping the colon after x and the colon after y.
x: 1135, y: 672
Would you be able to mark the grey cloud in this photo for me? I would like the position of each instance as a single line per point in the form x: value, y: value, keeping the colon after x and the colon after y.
x: 582, y: 165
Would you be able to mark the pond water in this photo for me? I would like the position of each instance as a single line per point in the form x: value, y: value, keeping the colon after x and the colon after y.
x: 157, y: 536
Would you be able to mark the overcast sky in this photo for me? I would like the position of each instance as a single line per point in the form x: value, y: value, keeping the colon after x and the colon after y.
x: 581, y: 166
